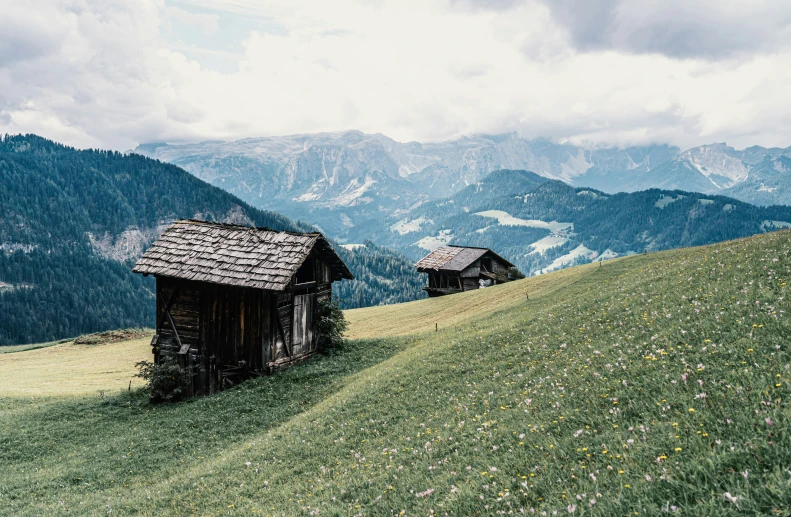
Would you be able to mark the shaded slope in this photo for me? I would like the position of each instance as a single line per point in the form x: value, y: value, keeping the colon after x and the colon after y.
x: 72, y: 222
x: 381, y: 277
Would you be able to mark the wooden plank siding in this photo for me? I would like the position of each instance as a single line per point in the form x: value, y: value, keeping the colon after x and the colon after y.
x: 228, y: 328
x: 233, y: 325
x: 470, y: 284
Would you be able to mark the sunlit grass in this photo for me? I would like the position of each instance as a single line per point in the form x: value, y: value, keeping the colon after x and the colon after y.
x: 449, y: 311
x: 656, y: 384
x: 66, y: 369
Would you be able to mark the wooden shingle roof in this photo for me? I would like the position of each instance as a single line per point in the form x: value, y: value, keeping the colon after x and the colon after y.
x: 454, y: 258
x: 235, y: 255
x: 437, y: 258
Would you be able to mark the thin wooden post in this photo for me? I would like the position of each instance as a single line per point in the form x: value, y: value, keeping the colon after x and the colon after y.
x: 436, y: 327
x: 182, y: 350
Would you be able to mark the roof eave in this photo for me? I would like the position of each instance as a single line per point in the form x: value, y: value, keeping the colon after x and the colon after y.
x: 278, y: 288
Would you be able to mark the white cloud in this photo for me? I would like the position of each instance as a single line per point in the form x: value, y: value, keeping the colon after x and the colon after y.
x: 111, y: 74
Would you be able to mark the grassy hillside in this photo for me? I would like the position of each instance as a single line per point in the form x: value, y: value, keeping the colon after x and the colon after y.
x: 651, y: 384
x: 429, y: 314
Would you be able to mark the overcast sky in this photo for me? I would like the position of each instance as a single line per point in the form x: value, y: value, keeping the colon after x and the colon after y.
x: 113, y: 74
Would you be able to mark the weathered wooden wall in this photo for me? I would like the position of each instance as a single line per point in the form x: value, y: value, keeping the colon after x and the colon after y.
x: 472, y: 271
x: 222, y: 333
x: 471, y: 283
x: 498, y: 266
x: 233, y: 325
x: 178, y: 315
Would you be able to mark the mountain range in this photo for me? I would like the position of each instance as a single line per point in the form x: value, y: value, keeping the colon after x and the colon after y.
x: 337, y: 180
x: 756, y: 175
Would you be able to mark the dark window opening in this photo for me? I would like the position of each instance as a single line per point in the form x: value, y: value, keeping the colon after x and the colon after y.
x: 306, y: 272
x: 486, y: 264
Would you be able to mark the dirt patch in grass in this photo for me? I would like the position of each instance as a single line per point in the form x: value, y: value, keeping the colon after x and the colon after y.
x: 111, y: 336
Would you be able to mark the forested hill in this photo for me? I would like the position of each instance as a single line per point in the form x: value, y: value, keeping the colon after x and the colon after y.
x: 53, y: 193
x: 73, y: 221
x: 381, y: 277
x: 543, y: 225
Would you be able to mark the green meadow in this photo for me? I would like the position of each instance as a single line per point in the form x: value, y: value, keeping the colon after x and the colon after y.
x: 649, y: 385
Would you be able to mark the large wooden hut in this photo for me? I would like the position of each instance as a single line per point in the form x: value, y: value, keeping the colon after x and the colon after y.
x: 234, y: 301
x: 454, y: 269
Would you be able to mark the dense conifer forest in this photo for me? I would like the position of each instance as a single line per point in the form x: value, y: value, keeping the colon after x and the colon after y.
x: 381, y: 277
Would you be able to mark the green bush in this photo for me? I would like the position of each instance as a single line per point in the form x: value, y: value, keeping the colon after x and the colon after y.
x: 512, y: 273
x: 331, y: 324
x: 164, y: 381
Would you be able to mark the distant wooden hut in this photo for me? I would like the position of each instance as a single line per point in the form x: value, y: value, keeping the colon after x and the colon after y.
x: 453, y: 269
x: 234, y: 301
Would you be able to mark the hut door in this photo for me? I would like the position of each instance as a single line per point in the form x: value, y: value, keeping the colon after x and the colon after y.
x: 303, y: 323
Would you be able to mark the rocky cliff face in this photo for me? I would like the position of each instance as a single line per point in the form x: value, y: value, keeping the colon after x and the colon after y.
x: 755, y: 175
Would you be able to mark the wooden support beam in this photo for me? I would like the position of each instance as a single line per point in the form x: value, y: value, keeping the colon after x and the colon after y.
x: 182, y: 348
x: 168, y: 305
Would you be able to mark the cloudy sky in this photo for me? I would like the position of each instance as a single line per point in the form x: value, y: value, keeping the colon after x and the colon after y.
x: 112, y: 74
